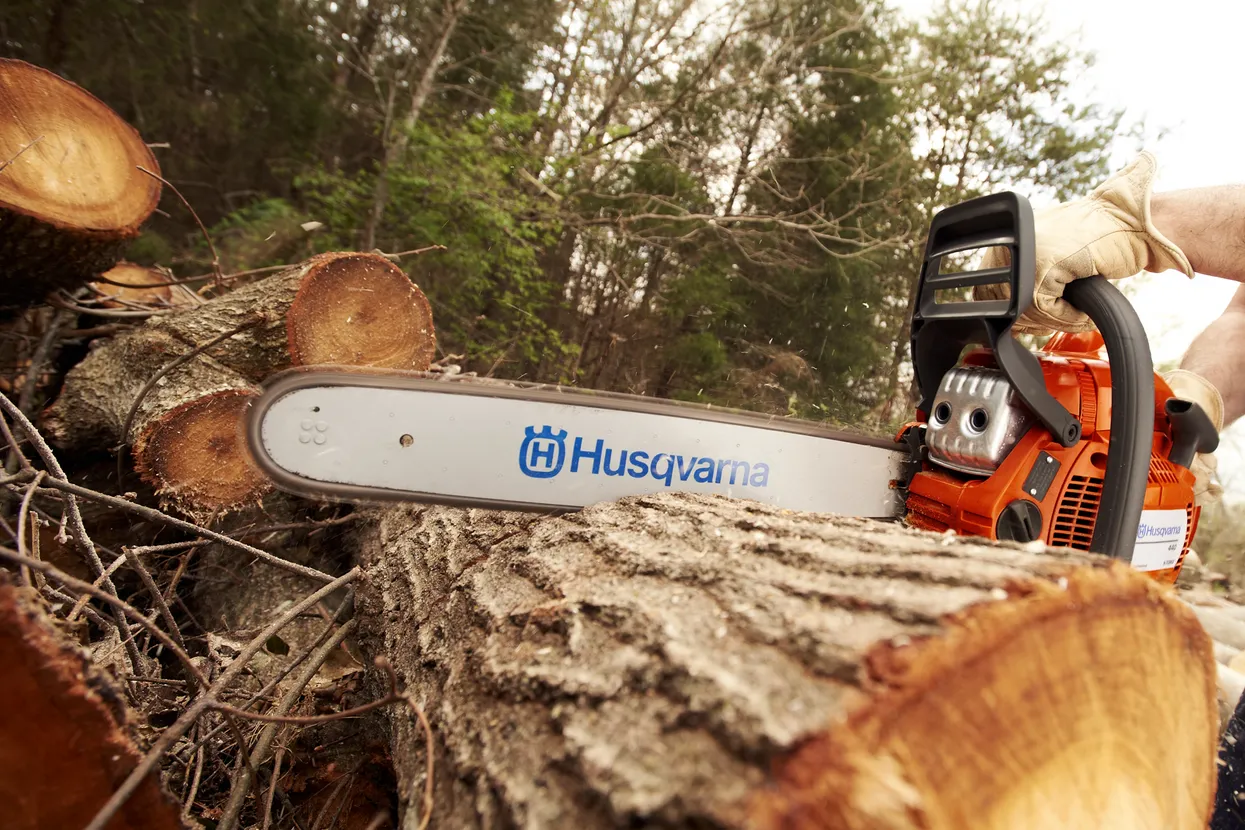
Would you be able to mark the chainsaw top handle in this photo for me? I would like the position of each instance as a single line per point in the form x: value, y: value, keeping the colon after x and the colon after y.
x: 942, y: 327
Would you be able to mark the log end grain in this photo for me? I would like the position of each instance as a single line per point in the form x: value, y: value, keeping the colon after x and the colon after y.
x: 64, y: 746
x: 1027, y: 711
x: 71, y: 195
x: 360, y: 310
x: 127, y: 284
x: 197, y: 457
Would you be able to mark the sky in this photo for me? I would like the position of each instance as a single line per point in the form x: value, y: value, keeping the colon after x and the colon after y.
x: 1181, y: 72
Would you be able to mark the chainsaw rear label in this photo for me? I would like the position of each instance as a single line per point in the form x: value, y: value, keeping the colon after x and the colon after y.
x: 1160, y: 539
x: 546, y: 454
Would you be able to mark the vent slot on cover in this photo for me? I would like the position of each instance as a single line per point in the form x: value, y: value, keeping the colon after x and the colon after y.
x: 1089, y: 401
x: 1077, y: 512
x: 1188, y: 534
x: 1162, y: 471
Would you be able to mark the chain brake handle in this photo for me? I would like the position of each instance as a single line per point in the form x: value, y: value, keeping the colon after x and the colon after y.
x: 940, y: 331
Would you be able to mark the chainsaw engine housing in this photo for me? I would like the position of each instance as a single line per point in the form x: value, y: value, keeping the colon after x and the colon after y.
x: 1001, y: 475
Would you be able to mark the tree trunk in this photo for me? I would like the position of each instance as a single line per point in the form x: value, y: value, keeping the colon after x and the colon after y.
x: 71, y: 194
x: 186, y: 433
x: 395, y: 147
x: 694, y: 661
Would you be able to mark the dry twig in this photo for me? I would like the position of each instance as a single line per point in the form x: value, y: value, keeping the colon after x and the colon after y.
x: 163, y: 518
x: 207, y: 236
x: 241, y: 785
x: 56, y: 473
x: 18, y: 155
x: 23, y: 518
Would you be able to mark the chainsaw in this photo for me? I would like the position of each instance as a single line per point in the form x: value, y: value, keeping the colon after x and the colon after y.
x: 1079, y: 444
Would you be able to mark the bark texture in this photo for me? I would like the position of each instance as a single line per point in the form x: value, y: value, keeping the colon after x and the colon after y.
x: 58, y: 229
x: 700, y: 662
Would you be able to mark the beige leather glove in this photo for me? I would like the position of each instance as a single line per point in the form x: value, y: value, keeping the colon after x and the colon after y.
x: 1109, y: 233
x: 1191, y: 386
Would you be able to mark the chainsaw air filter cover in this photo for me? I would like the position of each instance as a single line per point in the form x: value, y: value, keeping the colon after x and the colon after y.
x: 976, y: 420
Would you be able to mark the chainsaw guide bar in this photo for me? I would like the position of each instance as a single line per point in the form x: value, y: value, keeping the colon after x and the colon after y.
x: 469, y: 442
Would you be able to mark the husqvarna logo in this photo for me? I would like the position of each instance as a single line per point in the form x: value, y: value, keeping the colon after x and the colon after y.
x: 542, y: 453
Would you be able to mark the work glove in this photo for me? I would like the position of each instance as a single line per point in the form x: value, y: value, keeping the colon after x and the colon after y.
x: 1191, y: 386
x: 1108, y: 233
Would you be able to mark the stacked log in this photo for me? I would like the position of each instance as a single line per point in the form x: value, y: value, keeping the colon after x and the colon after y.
x: 68, y: 736
x: 186, y: 429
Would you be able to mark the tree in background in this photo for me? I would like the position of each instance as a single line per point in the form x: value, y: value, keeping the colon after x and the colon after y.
x: 992, y: 104
x: 721, y: 202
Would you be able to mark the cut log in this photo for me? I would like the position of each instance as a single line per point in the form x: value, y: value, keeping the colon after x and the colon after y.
x: 350, y: 309
x: 65, y: 741
x: 71, y: 193
x: 126, y: 285
x: 188, y: 435
x: 699, y: 662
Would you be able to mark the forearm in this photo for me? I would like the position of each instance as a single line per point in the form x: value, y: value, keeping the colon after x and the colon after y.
x: 1218, y: 355
x: 1208, y: 224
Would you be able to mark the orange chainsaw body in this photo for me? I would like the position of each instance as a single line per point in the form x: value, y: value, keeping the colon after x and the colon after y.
x: 1079, y: 378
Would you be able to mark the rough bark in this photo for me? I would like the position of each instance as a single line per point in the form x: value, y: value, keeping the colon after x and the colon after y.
x: 187, y: 433
x: 699, y: 662
x: 71, y: 193
x: 65, y: 741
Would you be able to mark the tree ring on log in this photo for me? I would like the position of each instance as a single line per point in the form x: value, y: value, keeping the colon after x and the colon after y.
x: 987, y: 726
x: 198, y: 456
x: 71, y: 194
x: 360, y: 310
x: 138, y: 284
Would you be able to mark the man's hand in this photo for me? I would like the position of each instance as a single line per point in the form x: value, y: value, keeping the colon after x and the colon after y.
x: 1191, y: 386
x: 1110, y: 232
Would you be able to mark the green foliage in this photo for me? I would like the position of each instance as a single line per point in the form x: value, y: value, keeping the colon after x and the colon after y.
x: 722, y: 202
x: 150, y: 248
x: 460, y: 188
x: 263, y: 233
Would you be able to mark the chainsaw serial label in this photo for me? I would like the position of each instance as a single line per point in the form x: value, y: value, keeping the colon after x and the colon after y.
x: 1160, y: 538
